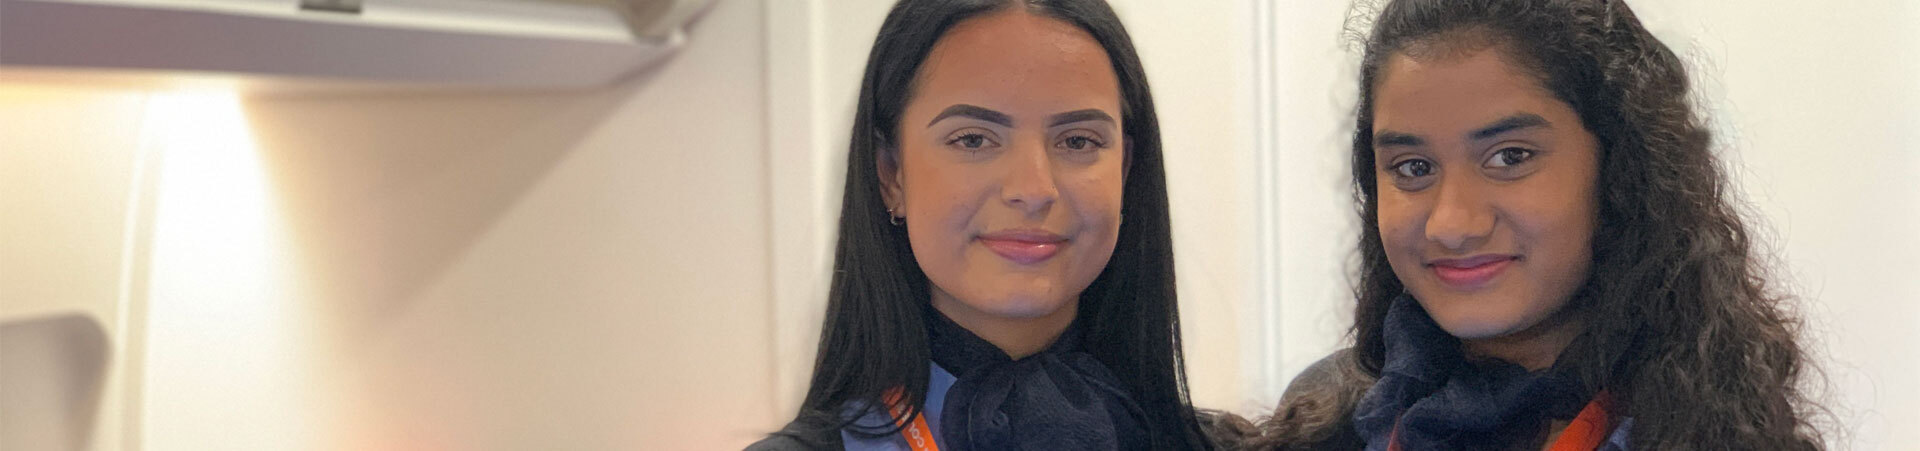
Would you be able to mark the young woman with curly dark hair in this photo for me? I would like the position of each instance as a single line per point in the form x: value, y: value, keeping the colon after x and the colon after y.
x: 1550, y: 253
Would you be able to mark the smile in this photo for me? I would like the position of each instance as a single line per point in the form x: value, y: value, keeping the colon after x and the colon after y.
x: 1471, y: 272
x: 1025, y: 247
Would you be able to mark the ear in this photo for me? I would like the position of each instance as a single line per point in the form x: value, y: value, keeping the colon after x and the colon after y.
x: 886, y: 161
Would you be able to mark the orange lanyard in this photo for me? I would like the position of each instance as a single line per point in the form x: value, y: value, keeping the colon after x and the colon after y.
x: 1587, y: 431
x: 917, y: 434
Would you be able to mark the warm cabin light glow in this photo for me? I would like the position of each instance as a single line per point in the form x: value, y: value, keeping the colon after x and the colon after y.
x: 228, y: 329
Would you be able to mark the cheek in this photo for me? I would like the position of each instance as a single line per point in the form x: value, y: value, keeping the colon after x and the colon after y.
x: 1095, y: 198
x: 1565, y: 229
x: 1559, y: 239
x: 1558, y: 221
x: 941, y: 201
x: 1402, y: 235
x: 1401, y: 232
x: 1096, y: 201
x: 1563, y: 241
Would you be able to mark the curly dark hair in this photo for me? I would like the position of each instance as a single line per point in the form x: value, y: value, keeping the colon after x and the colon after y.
x: 1682, y: 325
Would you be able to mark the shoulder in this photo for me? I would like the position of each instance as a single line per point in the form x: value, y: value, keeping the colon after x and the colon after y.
x: 1314, y: 413
x: 779, y: 442
x: 1316, y: 410
x: 799, y: 437
x: 1336, y: 373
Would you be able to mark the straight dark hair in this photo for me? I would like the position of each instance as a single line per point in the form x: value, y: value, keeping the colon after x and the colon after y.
x: 875, y: 339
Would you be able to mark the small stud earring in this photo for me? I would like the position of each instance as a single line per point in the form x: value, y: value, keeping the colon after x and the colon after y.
x: 893, y: 219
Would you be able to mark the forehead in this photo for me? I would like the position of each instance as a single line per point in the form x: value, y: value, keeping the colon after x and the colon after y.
x: 1013, y: 61
x: 1442, y: 94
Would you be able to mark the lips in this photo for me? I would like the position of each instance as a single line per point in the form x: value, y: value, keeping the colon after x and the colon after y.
x: 1024, y: 246
x: 1471, y: 272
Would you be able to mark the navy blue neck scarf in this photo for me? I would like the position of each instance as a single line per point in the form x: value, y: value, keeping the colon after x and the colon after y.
x: 1058, y: 399
x: 1442, y: 401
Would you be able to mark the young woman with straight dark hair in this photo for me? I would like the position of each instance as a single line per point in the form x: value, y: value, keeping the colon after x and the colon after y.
x: 1004, y: 272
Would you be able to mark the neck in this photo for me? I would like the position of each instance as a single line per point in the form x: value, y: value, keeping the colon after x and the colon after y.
x: 1535, y: 348
x: 1017, y: 336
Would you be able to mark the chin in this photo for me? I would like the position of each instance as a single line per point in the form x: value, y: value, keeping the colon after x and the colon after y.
x: 1477, y: 329
x: 1473, y: 324
x: 1022, y: 306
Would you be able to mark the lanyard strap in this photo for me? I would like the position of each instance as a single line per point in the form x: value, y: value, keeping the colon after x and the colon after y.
x: 1587, y: 431
x: 916, y: 433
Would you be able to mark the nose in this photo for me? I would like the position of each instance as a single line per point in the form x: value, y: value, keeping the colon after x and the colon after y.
x: 1029, y: 184
x: 1462, y: 218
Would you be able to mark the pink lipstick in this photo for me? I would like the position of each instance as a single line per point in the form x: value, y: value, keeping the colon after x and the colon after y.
x: 1023, y: 246
x: 1471, y: 272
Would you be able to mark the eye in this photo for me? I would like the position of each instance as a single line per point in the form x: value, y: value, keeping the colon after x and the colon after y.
x: 1081, y: 142
x: 1414, y: 168
x: 971, y: 140
x: 1508, y: 157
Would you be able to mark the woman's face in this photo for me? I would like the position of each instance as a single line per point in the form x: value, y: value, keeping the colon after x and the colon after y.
x: 1010, y: 166
x: 1486, y: 188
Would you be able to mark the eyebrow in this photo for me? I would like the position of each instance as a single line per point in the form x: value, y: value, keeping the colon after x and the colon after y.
x: 1389, y: 138
x: 1392, y: 138
x: 1079, y: 116
x: 984, y: 114
x: 1509, y: 123
x: 970, y: 111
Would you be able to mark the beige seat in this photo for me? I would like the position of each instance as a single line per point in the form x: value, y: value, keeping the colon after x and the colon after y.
x: 52, y: 371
